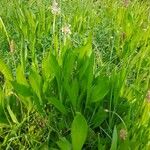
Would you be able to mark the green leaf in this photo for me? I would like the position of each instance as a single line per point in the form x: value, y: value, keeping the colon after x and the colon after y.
x: 100, y: 89
x: 73, y: 91
x: 20, y: 77
x: 99, y: 117
x: 64, y: 144
x: 83, y: 66
x: 36, y: 82
x: 39, y: 105
x: 86, y: 50
x: 90, y: 75
x: 2, y: 26
x: 54, y: 65
x: 3, y: 119
x: 90, y: 71
x: 12, y: 115
x: 22, y: 89
x: 68, y: 64
x: 100, y: 145
x: 5, y: 70
x: 46, y: 67
x: 44, y: 146
x: 114, y: 140
x: 79, y: 131
x: 50, y: 67
x: 57, y: 104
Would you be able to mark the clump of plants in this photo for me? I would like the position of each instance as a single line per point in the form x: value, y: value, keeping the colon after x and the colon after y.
x: 74, y: 75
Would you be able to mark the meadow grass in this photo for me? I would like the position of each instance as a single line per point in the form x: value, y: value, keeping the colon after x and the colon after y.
x: 74, y: 74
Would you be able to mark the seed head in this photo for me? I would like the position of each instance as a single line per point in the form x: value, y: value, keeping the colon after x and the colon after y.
x: 12, y: 46
x: 126, y: 3
x: 55, y: 8
x: 123, y: 134
x: 66, y: 30
x: 123, y: 36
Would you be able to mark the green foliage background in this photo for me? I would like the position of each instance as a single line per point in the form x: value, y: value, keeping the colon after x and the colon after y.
x: 84, y: 90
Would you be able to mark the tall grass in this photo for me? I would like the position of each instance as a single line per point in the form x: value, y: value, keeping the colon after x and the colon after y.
x: 74, y: 75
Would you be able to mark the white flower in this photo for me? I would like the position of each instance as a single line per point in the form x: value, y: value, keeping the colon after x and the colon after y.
x: 55, y: 8
x: 66, y: 30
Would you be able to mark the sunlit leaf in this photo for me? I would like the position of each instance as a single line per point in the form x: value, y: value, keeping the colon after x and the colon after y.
x: 12, y: 115
x: 22, y: 89
x: 64, y: 144
x: 79, y: 130
x: 114, y: 140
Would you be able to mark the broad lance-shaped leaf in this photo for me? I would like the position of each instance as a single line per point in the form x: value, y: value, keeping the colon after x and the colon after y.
x: 100, y: 89
x: 36, y: 82
x: 90, y: 76
x: 20, y: 77
x: 5, y: 70
x: 73, y: 91
x: 50, y: 67
x: 114, y: 140
x: 69, y: 59
x: 54, y: 65
x: 64, y: 144
x: 22, y: 89
x: 46, y: 67
x: 56, y: 103
x: 79, y: 131
x: 12, y: 115
x: 99, y: 117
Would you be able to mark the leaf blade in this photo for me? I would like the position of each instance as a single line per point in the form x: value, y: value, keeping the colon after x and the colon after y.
x: 114, y: 140
x: 79, y: 131
x: 57, y: 104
